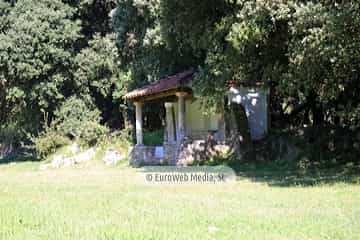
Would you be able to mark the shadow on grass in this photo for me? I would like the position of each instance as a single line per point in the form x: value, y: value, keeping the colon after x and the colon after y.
x: 275, y: 175
x: 288, y: 174
x: 18, y: 158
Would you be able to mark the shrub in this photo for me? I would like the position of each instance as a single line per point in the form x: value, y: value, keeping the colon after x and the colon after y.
x: 121, y: 141
x: 124, y: 135
x: 71, y: 116
x: 123, y: 138
x: 48, y: 142
x: 74, y: 118
x: 92, y: 133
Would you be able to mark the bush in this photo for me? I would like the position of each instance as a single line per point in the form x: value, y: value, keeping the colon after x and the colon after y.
x: 48, y: 142
x: 124, y: 136
x: 71, y: 116
x: 51, y: 139
x: 120, y: 141
x: 92, y: 133
x: 76, y: 119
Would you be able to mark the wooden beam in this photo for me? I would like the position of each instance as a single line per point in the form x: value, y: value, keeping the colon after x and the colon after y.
x: 161, y: 95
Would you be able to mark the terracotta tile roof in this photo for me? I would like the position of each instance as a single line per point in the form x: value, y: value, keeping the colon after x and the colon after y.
x: 234, y: 83
x: 172, y: 82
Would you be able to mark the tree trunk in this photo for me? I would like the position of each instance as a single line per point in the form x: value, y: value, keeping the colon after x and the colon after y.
x: 239, y: 130
x: 128, y: 123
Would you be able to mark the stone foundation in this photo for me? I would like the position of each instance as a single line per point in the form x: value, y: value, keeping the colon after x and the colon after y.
x: 144, y: 155
x: 181, y: 154
x: 200, y: 150
x: 170, y: 153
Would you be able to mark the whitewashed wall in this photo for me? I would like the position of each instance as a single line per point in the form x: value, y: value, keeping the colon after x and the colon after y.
x: 196, y: 122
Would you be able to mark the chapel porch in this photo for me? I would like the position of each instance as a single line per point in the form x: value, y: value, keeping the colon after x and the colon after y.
x: 184, y: 120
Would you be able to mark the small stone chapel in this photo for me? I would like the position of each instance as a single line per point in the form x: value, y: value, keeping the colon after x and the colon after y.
x: 187, y: 128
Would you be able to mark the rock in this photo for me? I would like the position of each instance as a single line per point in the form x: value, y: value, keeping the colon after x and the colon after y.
x: 85, y: 156
x: 57, y: 161
x: 60, y: 161
x: 74, y: 148
x: 112, y: 157
x: 68, y: 162
x: 45, y: 166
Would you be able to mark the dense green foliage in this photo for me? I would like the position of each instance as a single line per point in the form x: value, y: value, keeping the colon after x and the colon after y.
x: 48, y: 142
x: 46, y: 58
x: 72, y: 115
x: 308, y: 52
x: 53, y: 51
x: 36, y: 52
x: 75, y: 119
x: 59, y: 72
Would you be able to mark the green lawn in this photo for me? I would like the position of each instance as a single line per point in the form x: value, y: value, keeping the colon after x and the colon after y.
x: 114, y: 203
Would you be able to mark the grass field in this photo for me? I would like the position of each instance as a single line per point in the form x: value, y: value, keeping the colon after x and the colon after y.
x: 114, y: 203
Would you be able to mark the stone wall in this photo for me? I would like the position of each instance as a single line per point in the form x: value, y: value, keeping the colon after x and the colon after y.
x: 200, y: 150
x: 170, y: 153
x: 145, y: 155
x: 181, y: 154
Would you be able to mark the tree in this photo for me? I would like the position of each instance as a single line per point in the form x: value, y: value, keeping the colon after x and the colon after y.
x: 51, y: 50
x: 143, y: 48
x: 307, y: 52
x: 94, y: 16
x: 36, y: 52
x: 324, y: 55
x: 99, y: 76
